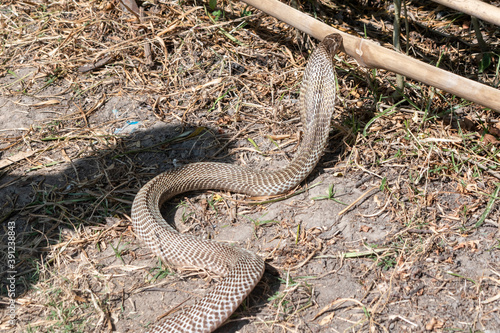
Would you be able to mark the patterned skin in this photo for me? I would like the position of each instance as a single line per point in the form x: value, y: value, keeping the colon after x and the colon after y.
x: 241, y: 269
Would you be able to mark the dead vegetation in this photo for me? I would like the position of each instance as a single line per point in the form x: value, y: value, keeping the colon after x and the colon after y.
x: 95, y: 102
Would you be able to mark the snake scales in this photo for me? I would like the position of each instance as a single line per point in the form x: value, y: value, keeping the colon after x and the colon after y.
x: 241, y: 269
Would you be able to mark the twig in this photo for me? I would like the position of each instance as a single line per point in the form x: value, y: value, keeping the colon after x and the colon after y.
x: 357, y: 200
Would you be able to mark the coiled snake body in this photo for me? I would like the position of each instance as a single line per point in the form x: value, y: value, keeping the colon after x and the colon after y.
x: 241, y: 269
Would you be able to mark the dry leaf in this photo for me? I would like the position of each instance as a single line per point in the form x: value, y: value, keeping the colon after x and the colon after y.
x: 40, y: 104
x: 365, y: 228
x: 470, y: 244
x: 488, y: 138
x: 434, y: 324
x: 17, y: 157
x: 79, y: 299
x: 327, y: 319
x: 495, y: 130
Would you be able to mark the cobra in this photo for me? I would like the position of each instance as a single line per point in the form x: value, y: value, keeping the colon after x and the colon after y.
x: 240, y: 269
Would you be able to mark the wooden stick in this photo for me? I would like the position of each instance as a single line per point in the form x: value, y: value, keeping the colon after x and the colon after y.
x: 476, y: 8
x: 371, y: 54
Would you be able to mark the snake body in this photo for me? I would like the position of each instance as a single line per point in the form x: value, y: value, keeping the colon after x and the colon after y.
x: 241, y: 269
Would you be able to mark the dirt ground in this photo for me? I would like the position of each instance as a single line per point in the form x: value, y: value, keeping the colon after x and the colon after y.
x: 396, y: 230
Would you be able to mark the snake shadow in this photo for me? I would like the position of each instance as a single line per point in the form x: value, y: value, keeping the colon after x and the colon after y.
x: 47, y: 204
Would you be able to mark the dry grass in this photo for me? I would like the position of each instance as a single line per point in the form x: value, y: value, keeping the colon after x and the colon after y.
x: 223, y: 82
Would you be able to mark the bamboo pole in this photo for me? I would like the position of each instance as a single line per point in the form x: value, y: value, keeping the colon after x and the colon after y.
x: 479, y: 9
x: 371, y: 54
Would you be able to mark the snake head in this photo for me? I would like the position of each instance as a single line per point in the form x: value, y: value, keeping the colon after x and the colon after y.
x: 333, y: 43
